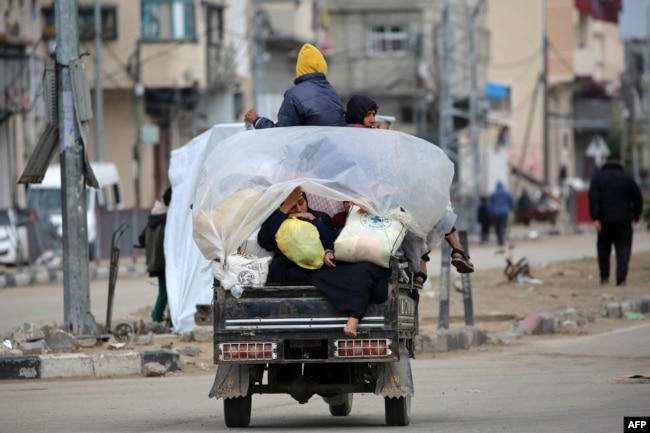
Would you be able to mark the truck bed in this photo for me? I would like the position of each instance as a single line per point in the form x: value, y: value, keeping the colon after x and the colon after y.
x: 297, y: 324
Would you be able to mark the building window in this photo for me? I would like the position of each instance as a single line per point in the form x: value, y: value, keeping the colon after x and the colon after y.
x: 386, y: 39
x: 220, y: 58
x: 168, y: 20
x: 214, y: 15
x: 85, y: 22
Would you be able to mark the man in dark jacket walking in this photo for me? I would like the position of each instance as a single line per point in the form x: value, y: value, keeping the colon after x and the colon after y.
x: 312, y: 100
x: 615, y: 202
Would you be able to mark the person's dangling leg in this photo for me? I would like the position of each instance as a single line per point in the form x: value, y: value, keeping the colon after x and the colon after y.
x: 351, y: 326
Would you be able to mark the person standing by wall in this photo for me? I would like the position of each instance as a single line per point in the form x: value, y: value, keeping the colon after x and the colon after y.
x: 152, y: 239
x: 500, y: 203
x: 312, y: 100
x: 615, y: 202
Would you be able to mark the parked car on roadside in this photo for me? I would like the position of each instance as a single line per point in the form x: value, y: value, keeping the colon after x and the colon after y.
x: 13, y: 239
x: 26, y: 235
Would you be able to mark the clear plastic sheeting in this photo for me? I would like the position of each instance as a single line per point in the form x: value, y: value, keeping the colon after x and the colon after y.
x: 246, y: 176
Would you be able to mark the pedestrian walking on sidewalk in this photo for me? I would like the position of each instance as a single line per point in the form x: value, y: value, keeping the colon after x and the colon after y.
x: 500, y: 203
x: 615, y: 202
x: 152, y: 239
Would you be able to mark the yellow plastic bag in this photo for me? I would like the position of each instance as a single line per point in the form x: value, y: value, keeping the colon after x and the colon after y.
x: 300, y: 242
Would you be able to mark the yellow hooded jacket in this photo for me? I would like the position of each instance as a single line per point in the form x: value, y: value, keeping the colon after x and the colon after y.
x: 310, y: 60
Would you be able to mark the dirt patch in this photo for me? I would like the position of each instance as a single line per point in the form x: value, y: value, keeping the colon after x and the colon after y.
x: 575, y: 284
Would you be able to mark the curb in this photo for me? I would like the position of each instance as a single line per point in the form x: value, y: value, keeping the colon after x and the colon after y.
x: 447, y: 340
x: 81, y: 365
x: 41, y: 275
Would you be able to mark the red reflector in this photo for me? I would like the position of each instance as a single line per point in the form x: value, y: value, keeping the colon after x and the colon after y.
x: 362, y: 348
x: 247, y: 351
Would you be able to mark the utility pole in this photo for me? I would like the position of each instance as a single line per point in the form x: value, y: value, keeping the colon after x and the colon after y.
x: 544, y: 78
x: 259, y: 43
x: 99, y: 91
x: 456, y: 45
x: 76, y: 281
x: 473, y: 114
x: 138, y: 93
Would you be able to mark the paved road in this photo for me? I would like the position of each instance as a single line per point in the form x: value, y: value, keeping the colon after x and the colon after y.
x: 573, y: 384
x: 546, y: 248
x: 43, y: 304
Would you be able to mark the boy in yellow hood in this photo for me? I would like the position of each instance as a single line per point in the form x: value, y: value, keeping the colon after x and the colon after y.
x: 312, y: 100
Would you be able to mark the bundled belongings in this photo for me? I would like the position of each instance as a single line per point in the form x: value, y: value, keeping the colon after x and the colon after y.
x: 368, y: 238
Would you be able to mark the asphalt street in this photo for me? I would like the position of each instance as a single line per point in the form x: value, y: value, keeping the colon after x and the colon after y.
x: 570, y: 384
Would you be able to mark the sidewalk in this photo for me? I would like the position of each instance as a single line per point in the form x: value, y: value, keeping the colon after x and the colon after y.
x: 35, y: 275
x: 540, y: 244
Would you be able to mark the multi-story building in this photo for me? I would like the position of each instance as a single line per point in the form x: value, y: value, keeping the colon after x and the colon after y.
x: 558, y: 65
x: 21, y: 107
x: 169, y: 70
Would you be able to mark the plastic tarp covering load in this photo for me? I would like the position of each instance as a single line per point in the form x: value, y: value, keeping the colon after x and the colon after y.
x: 247, y: 176
x: 188, y: 283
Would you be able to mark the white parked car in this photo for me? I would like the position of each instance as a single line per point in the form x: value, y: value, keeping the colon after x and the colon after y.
x: 14, y: 239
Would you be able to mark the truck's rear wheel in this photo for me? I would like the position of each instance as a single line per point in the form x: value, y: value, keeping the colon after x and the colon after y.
x: 237, y: 411
x: 344, y: 408
x: 398, y: 410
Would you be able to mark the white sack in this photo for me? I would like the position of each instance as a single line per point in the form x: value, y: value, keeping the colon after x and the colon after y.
x: 367, y: 238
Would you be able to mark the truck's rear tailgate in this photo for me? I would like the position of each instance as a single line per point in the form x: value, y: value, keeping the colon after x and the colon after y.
x: 298, y: 324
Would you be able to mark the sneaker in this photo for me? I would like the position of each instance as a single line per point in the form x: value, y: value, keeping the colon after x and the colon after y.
x: 604, y: 282
x: 620, y: 283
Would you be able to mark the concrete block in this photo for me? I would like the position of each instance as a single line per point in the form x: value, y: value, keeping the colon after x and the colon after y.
x: 549, y: 323
x: 439, y: 342
x: 566, y: 312
x: 66, y: 365
x: 202, y: 333
x: 117, y: 364
x: 22, y: 279
x: 531, y: 324
x: 33, y: 347
x: 613, y: 310
x: 41, y: 276
x: 644, y: 304
x: 20, y: 367
x: 169, y: 358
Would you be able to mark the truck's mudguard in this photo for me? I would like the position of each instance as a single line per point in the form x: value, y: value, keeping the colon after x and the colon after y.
x: 232, y: 380
x: 394, y: 379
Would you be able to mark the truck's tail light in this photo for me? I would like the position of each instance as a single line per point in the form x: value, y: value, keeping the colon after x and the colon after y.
x: 247, y: 351
x: 363, y: 348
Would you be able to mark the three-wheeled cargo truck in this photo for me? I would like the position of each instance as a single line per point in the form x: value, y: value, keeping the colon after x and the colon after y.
x: 290, y: 340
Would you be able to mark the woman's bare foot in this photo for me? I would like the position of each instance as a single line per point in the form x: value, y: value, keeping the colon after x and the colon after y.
x: 351, y: 327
